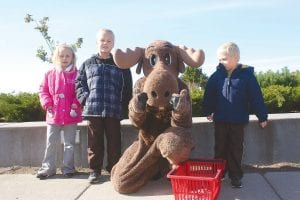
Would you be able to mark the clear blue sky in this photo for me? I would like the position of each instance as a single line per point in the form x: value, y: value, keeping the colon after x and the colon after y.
x: 267, y: 31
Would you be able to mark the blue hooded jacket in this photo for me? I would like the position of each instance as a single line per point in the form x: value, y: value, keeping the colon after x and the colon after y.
x: 231, y: 98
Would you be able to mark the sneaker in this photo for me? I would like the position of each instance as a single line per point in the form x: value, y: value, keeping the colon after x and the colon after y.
x: 94, y: 177
x: 236, y: 183
x: 42, y: 176
x: 68, y: 175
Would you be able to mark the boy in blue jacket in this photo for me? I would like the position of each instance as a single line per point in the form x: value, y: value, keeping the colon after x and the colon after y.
x: 231, y: 92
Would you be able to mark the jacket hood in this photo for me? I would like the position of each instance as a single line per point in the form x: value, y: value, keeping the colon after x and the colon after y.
x: 240, y: 68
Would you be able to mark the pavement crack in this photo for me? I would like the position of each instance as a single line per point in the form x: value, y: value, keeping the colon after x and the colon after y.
x: 271, y: 186
x: 83, y: 191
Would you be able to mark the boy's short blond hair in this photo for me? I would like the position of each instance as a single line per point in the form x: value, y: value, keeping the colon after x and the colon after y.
x: 104, y: 30
x: 58, y: 48
x: 230, y: 49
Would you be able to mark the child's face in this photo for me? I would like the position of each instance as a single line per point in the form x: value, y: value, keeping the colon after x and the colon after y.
x: 105, y: 43
x: 230, y: 62
x: 65, y: 57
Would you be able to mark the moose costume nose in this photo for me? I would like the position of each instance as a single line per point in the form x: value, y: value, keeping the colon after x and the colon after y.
x: 159, y: 86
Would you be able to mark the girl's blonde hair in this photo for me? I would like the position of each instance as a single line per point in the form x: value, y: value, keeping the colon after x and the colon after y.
x: 230, y: 49
x: 58, y: 48
x: 104, y: 30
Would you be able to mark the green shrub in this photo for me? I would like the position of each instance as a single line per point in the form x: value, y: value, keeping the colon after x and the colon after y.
x: 296, y: 99
x: 197, y: 99
x: 278, y: 98
x: 283, y: 78
x: 22, y: 107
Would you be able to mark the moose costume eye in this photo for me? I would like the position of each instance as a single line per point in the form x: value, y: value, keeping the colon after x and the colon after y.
x: 167, y: 59
x: 153, y: 60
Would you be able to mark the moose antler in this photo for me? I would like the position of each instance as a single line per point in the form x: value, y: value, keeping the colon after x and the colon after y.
x: 192, y: 57
x: 128, y: 58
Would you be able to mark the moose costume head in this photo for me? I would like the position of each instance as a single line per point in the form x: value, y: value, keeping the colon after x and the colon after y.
x: 161, y: 110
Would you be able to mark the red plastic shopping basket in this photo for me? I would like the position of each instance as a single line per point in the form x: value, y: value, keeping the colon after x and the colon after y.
x: 197, y: 179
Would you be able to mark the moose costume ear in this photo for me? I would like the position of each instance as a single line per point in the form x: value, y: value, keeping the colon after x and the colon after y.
x: 129, y: 58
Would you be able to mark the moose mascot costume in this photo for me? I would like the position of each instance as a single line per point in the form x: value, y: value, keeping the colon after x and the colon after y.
x: 161, y: 109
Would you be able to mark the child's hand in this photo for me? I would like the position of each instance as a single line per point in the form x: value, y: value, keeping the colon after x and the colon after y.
x: 210, y: 117
x: 263, y: 124
x: 73, y: 112
x: 50, y: 111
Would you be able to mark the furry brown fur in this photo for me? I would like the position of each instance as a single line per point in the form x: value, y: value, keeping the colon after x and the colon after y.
x: 161, y: 110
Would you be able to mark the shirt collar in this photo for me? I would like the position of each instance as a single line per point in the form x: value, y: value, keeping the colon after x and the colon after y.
x: 69, y: 68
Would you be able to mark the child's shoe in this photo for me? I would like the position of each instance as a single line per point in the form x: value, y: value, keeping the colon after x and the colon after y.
x: 68, y: 175
x: 42, y: 176
x: 236, y: 182
x: 94, y: 177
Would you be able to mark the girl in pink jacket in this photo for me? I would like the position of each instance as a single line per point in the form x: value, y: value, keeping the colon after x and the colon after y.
x: 57, y: 97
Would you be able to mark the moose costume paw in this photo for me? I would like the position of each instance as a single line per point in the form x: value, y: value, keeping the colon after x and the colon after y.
x: 181, y: 156
x: 139, y: 102
x: 179, y: 102
x: 182, y: 109
x: 175, y: 145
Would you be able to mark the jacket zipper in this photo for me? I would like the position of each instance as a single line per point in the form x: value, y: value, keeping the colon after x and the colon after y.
x: 228, y: 88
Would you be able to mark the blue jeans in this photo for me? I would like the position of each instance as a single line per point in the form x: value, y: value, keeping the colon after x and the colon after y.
x: 53, y: 140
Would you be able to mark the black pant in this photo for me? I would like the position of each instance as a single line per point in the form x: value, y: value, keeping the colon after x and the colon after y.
x: 229, y: 139
x: 97, y: 127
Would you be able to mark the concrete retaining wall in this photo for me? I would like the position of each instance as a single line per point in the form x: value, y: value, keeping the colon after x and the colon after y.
x: 23, y: 144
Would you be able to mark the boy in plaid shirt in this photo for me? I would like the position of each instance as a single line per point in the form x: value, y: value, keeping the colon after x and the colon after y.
x: 103, y: 89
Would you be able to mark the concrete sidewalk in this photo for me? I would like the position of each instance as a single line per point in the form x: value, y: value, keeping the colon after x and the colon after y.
x: 283, y: 185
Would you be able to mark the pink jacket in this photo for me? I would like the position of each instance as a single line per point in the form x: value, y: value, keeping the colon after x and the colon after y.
x: 58, y: 90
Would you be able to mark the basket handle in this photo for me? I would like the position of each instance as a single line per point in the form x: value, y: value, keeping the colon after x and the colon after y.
x: 172, y: 171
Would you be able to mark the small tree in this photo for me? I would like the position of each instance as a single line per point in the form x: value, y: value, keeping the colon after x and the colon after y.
x: 194, y: 77
x: 42, y: 27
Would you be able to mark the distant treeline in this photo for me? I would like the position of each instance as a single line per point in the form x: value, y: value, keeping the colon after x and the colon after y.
x: 281, y: 91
